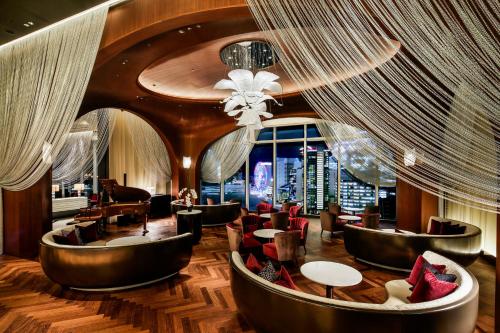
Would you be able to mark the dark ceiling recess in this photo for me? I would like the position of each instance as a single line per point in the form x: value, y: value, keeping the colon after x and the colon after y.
x: 21, y: 17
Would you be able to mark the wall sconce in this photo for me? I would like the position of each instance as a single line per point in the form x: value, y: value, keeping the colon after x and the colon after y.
x: 410, y: 157
x: 79, y: 188
x: 186, y: 162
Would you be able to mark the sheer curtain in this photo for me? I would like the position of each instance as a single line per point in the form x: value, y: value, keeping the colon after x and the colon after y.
x: 76, y: 158
x: 354, y: 148
x: 226, y: 155
x: 394, y: 68
x: 43, y: 78
x: 138, y: 151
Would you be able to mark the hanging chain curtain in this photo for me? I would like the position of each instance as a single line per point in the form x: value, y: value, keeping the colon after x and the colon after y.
x: 446, y: 47
x: 75, y: 159
x: 137, y: 150
x: 41, y: 89
x: 353, y: 148
x: 227, y: 155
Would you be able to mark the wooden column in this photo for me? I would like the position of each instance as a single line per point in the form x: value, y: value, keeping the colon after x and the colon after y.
x: 414, y: 207
x: 27, y: 215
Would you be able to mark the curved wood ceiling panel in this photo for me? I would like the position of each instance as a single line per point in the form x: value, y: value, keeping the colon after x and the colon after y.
x: 191, y: 72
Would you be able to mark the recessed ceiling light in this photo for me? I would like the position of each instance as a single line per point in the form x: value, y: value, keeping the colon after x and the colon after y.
x: 181, y: 31
x: 31, y: 23
x: 26, y: 25
x: 189, y: 28
x: 198, y: 26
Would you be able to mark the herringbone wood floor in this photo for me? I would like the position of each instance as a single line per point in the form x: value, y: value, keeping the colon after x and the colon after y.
x: 197, y: 300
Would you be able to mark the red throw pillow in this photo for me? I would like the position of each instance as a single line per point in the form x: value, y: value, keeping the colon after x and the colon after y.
x: 435, y: 228
x: 418, y: 269
x: 445, y: 227
x: 88, y: 233
x: 72, y: 237
x: 253, y: 264
x: 60, y: 239
x: 285, y: 280
x: 430, y: 288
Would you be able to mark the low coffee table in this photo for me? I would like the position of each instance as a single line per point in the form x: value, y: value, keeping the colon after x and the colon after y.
x: 266, y: 233
x: 349, y: 218
x: 332, y: 274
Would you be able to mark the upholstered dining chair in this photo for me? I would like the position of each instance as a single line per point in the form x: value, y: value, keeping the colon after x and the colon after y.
x: 285, y: 206
x: 234, y: 237
x: 250, y: 223
x: 210, y: 201
x: 279, y: 220
x: 264, y: 207
x: 371, y: 221
x: 334, y: 208
x: 301, y: 224
x: 284, y: 247
x: 331, y: 223
x: 294, y: 211
x: 244, y: 211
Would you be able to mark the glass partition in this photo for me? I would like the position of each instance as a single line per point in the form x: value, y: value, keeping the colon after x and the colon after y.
x: 290, y: 172
x: 234, y: 187
x: 354, y: 193
x: 261, y: 175
x: 290, y: 132
x: 210, y: 190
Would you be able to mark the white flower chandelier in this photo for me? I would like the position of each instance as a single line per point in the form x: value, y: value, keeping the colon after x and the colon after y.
x: 248, y: 98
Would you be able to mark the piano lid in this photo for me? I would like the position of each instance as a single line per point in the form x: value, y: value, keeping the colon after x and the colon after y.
x: 124, y: 193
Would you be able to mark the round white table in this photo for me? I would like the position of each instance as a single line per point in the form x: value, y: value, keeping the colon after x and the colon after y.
x: 266, y: 233
x: 265, y: 215
x: 332, y: 274
x: 129, y: 240
x: 353, y: 210
x: 349, y: 218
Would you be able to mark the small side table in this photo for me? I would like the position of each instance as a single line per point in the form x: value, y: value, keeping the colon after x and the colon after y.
x: 190, y: 221
x: 266, y: 233
x: 332, y: 274
x: 349, y: 218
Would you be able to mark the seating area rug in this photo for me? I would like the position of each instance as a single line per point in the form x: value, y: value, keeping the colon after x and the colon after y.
x: 197, y: 300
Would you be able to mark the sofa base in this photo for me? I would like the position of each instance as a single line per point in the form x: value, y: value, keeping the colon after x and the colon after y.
x: 111, y: 289
x: 384, y: 266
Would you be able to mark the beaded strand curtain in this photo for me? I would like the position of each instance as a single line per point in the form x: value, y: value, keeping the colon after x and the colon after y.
x: 41, y: 89
x: 447, y: 49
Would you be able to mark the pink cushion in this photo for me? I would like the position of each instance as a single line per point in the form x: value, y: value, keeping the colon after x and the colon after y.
x: 269, y: 249
x: 430, y: 288
x: 285, y: 280
x: 253, y: 264
x: 418, y: 269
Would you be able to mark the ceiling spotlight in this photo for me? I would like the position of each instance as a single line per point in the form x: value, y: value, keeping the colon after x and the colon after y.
x: 230, y: 57
x: 189, y: 28
x: 30, y: 23
x: 181, y: 31
x: 198, y: 26
x: 26, y: 25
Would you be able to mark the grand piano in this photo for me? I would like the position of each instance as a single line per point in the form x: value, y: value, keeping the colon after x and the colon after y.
x: 125, y: 201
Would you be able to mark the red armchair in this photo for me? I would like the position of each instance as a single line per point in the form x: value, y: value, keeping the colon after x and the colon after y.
x: 294, y: 211
x: 302, y: 224
x: 264, y: 207
x: 279, y: 221
x: 331, y: 223
x: 240, y: 243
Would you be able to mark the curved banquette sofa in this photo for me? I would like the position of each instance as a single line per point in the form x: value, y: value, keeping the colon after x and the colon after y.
x: 389, y: 249
x: 273, y: 308
x: 213, y: 215
x: 114, y: 267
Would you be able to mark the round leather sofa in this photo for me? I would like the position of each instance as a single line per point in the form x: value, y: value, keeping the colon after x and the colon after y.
x: 212, y: 215
x: 113, y: 267
x: 273, y: 308
x: 388, y: 249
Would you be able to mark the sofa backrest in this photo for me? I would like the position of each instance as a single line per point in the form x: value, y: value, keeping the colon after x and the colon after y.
x: 469, y: 228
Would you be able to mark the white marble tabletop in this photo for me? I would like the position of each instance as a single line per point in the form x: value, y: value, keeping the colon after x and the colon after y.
x: 331, y: 273
x: 186, y: 212
x: 266, y: 233
x: 349, y: 217
x: 266, y: 215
